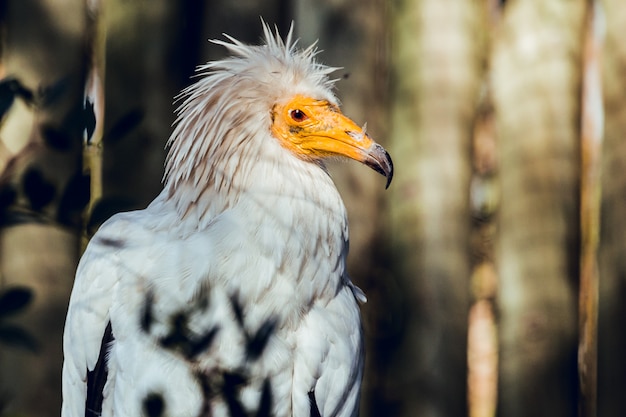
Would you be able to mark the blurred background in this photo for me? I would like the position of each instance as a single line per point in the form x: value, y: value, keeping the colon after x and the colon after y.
x: 495, y: 265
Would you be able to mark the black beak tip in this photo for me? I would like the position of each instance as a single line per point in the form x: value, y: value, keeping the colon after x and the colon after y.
x: 389, y: 173
x: 381, y: 162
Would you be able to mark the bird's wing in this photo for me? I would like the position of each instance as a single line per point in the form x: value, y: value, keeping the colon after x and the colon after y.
x: 88, y: 313
x: 150, y: 285
x: 329, y: 359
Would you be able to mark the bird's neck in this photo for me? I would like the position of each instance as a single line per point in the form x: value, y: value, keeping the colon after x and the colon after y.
x: 288, y: 210
x: 266, y: 179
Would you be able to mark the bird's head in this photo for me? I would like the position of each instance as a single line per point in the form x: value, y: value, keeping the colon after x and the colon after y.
x: 315, y: 129
x: 262, y: 93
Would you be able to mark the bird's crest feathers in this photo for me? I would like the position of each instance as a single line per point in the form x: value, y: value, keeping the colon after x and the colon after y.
x: 229, y: 102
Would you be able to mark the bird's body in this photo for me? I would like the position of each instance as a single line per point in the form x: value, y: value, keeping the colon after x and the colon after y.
x: 228, y: 295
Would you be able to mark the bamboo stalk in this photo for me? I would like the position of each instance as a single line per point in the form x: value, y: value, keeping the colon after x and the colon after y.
x: 591, y: 147
x: 94, y: 102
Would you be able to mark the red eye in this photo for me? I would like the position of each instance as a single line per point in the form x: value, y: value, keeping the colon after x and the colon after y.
x: 298, y: 115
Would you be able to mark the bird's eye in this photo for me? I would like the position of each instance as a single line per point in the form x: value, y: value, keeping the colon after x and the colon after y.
x: 298, y: 115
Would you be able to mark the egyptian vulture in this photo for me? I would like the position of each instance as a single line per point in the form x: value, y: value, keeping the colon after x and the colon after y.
x: 228, y: 295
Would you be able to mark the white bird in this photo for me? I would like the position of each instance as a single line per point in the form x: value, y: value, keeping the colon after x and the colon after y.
x: 228, y: 295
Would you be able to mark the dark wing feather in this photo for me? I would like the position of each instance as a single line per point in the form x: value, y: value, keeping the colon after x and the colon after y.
x: 98, y: 377
x: 315, y: 411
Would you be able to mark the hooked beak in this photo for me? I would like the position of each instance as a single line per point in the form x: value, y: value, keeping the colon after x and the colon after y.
x: 379, y: 160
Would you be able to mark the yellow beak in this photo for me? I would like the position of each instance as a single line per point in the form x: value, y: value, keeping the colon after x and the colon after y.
x: 315, y: 129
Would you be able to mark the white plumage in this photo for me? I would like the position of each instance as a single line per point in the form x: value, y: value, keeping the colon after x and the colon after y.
x: 228, y: 294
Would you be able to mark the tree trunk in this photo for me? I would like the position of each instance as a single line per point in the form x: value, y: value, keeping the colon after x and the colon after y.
x: 536, y: 85
x: 437, y: 61
x: 612, y: 262
x: 42, y: 193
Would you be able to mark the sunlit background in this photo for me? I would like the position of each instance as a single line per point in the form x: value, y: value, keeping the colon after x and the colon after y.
x: 483, y: 261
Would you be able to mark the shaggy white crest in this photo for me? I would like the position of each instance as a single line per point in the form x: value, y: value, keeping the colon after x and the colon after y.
x: 229, y: 105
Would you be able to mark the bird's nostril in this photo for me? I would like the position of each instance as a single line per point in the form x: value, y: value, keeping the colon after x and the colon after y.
x: 357, y: 136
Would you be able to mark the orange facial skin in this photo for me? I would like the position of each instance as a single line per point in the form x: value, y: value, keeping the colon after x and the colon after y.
x: 314, y: 129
